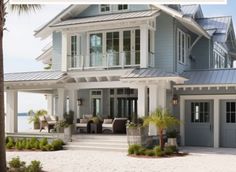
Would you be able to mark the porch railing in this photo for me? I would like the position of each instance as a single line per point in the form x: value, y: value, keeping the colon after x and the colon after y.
x: 108, y: 60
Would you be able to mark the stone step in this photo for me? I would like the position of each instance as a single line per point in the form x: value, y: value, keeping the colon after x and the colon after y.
x: 99, y: 144
x: 100, y: 140
x: 116, y: 137
x: 100, y: 148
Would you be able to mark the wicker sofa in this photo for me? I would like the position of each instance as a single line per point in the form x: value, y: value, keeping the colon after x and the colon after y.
x: 118, y: 125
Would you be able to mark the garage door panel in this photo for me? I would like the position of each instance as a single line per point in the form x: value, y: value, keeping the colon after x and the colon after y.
x: 228, y: 124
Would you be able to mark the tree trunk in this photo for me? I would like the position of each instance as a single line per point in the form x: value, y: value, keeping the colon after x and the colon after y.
x: 161, y: 139
x: 2, y: 114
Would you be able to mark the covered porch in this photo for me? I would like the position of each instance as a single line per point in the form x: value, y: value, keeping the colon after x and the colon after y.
x: 129, y: 93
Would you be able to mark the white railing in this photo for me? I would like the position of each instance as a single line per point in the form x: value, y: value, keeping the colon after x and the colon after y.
x: 108, y: 60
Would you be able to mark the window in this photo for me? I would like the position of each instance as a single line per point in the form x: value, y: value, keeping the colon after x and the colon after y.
x: 105, y: 8
x: 112, y: 45
x: 122, y: 7
x: 183, y: 45
x: 73, y: 50
x: 230, y: 112
x: 200, y: 112
x: 219, y: 57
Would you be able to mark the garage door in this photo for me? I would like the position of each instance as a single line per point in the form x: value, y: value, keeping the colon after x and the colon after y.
x: 198, y: 123
x: 228, y: 124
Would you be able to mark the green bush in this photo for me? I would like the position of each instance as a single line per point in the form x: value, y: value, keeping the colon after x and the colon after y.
x: 35, y: 166
x: 57, y: 144
x: 142, y: 151
x: 134, y: 149
x: 43, y: 142
x: 158, y: 152
x: 18, y: 145
x: 16, y: 163
x: 150, y: 152
x: 28, y: 145
x: 168, y: 150
x: 10, y: 145
x: 23, y: 143
x: 174, y: 149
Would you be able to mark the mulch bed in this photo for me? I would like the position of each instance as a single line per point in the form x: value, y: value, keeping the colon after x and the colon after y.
x: 180, y: 154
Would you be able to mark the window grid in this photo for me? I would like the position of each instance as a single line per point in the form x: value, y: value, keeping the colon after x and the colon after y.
x: 183, y: 45
x: 200, y: 112
x: 105, y: 8
x: 230, y: 112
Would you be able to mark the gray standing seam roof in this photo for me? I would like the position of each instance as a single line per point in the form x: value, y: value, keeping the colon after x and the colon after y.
x: 189, y: 10
x: 220, y: 26
x: 33, y: 76
x: 148, y: 73
x: 108, y: 17
x: 210, y: 77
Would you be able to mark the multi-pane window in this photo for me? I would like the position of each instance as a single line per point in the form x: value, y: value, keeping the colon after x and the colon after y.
x: 230, y: 112
x: 200, y: 112
x: 105, y: 7
x: 73, y: 50
x: 219, y: 57
x: 183, y: 45
x: 122, y: 7
x: 137, y: 46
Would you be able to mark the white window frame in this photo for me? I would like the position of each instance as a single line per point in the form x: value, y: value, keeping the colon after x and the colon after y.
x: 181, y: 56
x: 77, y: 50
x: 96, y: 97
x: 219, y: 58
x: 117, y: 7
x: 100, y: 8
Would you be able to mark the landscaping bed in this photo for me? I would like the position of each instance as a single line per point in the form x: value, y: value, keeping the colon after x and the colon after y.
x: 33, y: 144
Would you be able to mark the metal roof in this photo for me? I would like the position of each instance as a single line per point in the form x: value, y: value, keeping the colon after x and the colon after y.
x: 209, y: 77
x: 189, y: 10
x: 108, y: 17
x: 33, y: 76
x: 148, y: 73
x: 220, y: 25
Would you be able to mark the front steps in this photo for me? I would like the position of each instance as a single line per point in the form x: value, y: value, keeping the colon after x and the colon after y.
x: 117, y: 143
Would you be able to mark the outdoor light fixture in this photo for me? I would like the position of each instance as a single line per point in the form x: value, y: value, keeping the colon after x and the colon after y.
x: 175, y: 100
x: 79, y: 102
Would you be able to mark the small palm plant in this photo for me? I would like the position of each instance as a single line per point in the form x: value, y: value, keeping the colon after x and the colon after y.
x: 34, y: 117
x: 162, y: 119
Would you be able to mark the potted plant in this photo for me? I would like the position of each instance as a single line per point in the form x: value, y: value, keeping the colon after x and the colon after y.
x: 163, y: 120
x: 96, y: 124
x: 136, y: 133
x: 171, y: 138
x: 69, y: 120
x: 34, y: 117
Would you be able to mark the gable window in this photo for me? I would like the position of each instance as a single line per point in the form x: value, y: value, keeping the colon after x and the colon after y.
x: 219, y: 57
x: 122, y: 7
x: 183, y: 44
x: 105, y: 8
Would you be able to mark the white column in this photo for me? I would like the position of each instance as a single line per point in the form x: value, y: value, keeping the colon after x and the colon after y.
x: 11, y: 117
x: 153, y: 97
x: 144, y: 46
x: 50, y: 104
x: 142, y: 101
x: 161, y: 92
x: 216, y: 123
x: 64, y: 48
x: 73, y: 102
x: 182, y: 119
x: 61, y: 102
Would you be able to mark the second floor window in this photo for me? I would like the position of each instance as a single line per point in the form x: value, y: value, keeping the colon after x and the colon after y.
x: 183, y: 45
x: 122, y: 7
x: 219, y: 57
x: 105, y: 8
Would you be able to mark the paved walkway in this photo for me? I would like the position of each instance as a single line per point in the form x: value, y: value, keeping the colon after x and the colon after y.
x: 199, y: 160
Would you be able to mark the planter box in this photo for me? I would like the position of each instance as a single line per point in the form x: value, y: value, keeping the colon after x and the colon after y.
x: 137, y: 135
x: 36, y: 126
x: 172, y: 142
x: 68, y: 134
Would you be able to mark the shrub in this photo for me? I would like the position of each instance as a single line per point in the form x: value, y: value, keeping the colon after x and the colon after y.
x: 57, y: 144
x: 18, y: 145
x: 158, y: 151
x: 10, y: 145
x: 168, y: 150
x: 28, y: 145
x: 23, y: 144
x: 43, y: 142
x: 142, y: 151
x: 149, y: 152
x: 173, y: 148
x: 16, y: 163
x: 134, y: 149
x: 35, y: 166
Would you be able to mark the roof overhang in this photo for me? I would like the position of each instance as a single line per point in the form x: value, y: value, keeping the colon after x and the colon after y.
x: 188, y: 22
x: 46, y: 56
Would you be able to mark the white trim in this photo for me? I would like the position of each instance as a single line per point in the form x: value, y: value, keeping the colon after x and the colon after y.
x: 200, y: 86
x: 91, y: 97
x: 105, y: 12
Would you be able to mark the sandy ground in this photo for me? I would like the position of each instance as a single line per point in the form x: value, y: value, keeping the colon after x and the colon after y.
x: 199, y: 160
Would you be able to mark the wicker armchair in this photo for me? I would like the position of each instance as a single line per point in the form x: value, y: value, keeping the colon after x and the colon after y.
x: 118, y: 125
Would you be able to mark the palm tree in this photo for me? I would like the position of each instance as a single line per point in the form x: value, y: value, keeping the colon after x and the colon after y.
x: 20, y: 9
x: 163, y: 120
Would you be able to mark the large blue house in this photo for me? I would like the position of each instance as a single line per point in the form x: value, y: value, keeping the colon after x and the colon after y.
x: 124, y: 60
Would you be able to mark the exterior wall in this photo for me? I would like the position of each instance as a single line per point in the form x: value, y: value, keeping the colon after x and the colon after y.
x: 57, y: 50
x: 94, y: 10
x: 164, y: 43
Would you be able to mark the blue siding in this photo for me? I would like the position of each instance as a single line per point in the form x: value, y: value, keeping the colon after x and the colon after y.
x: 93, y: 10
x: 200, y: 54
x: 164, y: 43
x: 56, y: 57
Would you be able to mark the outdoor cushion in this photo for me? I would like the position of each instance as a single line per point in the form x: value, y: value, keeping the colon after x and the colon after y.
x: 53, y: 118
x: 48, y: 118
x: 107, y: 121
x: 81, y: 125
x: 87, y: 116
x: 51, y: 122
x: 83, y: 121
x: 107, y: 125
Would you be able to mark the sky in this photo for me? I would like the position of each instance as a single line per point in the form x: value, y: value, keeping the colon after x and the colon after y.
x: 21, y: 47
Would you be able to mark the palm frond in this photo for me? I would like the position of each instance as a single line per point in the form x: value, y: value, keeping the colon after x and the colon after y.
x: 25, y: 8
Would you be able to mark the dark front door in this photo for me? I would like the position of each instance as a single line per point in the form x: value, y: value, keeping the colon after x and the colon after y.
x: 198, y: 123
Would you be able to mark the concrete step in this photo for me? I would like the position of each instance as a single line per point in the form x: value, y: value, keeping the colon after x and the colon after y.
x: 100, y: 148
x: 101, y: 137
x: 100, y: 140
x: 99, y: 144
